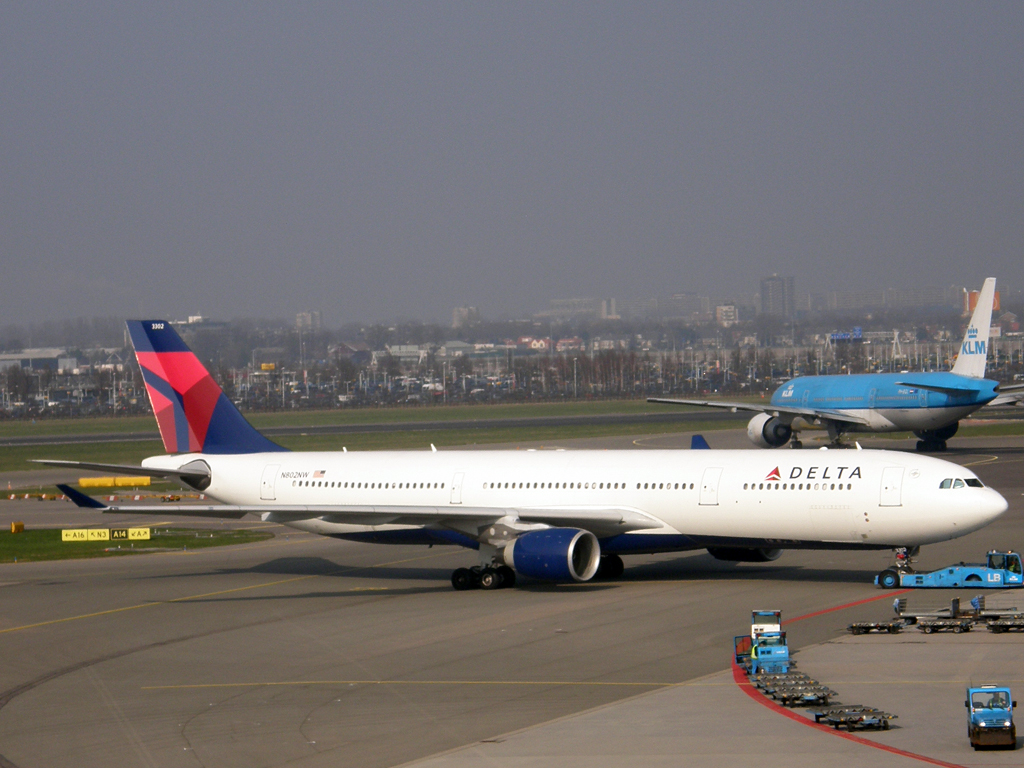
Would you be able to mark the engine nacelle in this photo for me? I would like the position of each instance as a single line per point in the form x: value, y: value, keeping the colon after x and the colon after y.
x: 744, y: 554
x: 766, y: 431
x: 555, y: 554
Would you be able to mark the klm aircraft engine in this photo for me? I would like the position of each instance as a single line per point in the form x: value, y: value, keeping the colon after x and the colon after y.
x: 744, y: 555
x: 555, y: 554
x: 767, y: 431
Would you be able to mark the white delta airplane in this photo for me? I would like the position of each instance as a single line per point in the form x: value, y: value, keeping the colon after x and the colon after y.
x: 555, y: 515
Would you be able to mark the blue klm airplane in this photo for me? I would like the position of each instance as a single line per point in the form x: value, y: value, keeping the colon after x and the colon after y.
x: 928, y: 404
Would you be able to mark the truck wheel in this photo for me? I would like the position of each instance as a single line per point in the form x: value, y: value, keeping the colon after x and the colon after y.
x: 888, y: 579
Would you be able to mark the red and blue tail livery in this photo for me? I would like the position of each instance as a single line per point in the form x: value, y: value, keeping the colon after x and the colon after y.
x: 193, y: 413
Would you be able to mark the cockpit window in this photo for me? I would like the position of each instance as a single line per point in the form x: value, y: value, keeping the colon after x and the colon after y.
x: 958, y: 483
x: 947, y: 483
x: 973, y: 482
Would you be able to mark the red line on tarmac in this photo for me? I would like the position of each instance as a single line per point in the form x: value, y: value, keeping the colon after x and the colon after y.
x: 848, y: 605
x: 740, y: 676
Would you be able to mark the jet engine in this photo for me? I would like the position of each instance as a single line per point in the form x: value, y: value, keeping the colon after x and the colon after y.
x: 766, y: 431
x: 744, y: 555
x: 556, y: 554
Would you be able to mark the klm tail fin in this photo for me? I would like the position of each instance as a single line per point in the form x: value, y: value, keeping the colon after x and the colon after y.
x: 193, y: 413
x: 974, y: 348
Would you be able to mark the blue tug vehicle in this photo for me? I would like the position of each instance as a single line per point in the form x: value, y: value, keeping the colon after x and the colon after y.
x: 1001, y: 570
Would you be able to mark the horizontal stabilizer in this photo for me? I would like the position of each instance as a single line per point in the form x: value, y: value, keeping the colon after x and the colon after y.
x: 952, y: 391
x: 80, y: 499
x: 193, y: 472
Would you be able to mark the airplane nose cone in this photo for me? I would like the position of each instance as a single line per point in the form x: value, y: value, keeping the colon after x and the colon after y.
x: 991, y: 506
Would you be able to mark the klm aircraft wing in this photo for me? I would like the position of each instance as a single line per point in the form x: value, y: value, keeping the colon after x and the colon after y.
x: 601, y: 521
x: 775, y: 410
x: 1008, y: 395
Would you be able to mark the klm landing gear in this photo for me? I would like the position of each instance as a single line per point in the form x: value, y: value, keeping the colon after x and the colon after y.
x: 483, y: 578
x: 934, y: 440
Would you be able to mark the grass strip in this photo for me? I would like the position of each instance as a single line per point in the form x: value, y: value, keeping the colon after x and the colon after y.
x: 32, y: 545
x: 365, y: 415
x: 17, y: 458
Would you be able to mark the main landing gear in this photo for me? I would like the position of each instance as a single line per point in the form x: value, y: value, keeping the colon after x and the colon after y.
x: 934, y: 440
x: 479, y: 577
x: 610, y: 567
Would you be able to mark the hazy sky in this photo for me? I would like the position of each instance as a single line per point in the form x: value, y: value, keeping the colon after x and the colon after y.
x: 386, y: 160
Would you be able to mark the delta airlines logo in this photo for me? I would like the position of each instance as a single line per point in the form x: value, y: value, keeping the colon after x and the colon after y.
x: 971, y: 345
x: 812, y: 473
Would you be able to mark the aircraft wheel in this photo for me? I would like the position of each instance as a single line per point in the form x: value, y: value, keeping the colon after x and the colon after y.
x: 922, y: 446
x: 508, y: 576
x: 796, y: 444
x: 611, y: 567
x: 888, y: 579
x: 940, y: 446
x: 463, y: 578
x: 490, y: 579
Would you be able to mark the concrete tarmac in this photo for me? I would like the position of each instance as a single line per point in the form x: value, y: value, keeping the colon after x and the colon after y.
x: 305, y: 651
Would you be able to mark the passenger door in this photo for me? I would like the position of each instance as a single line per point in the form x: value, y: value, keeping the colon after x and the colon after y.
x: 268, y: 482
x: 892, y: 487
x: 457, y: 488
x: 709, y: 486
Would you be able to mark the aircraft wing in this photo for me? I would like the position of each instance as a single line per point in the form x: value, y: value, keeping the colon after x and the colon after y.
x: 606, y: 521
x: 807, y: 413
x: 1011, y: 394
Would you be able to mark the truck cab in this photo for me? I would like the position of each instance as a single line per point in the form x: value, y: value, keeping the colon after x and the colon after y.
x: 762, y: 621
x: 770, y: 653
x: 990, y: 717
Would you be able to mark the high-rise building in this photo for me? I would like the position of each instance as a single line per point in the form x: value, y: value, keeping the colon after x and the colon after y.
x: 463, y: 317
x: 309, y: 321
x: 777, y: 296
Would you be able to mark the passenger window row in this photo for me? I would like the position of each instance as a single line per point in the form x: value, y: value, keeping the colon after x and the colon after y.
x: 371, y: 486
x: 797, y: 486
x: 590, y: 486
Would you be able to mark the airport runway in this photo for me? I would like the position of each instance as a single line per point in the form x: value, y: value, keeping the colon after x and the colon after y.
x: 304, y: 651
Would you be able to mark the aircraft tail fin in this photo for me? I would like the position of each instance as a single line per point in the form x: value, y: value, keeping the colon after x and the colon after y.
x: 192, y: 412
x: 974, y: 348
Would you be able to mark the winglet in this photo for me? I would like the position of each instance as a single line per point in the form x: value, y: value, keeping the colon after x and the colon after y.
x: 80, y: 499
x: 698, y: 443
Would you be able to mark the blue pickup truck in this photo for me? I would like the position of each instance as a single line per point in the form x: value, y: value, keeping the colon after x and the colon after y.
x: 990, y: 717
x: 1000, y: 571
